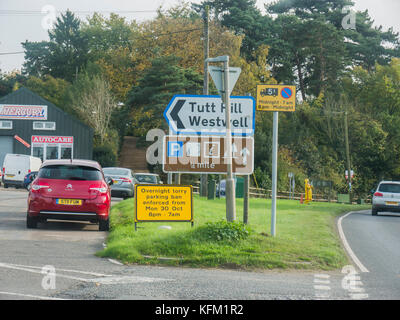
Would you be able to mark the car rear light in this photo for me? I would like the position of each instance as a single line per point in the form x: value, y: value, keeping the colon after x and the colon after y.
x: 37, y: 187
x: 378, y: 194
x: 101, y: 190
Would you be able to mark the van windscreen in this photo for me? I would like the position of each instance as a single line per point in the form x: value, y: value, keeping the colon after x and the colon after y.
x: 67, y: 172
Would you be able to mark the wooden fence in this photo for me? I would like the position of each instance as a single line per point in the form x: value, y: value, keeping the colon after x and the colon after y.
x: 266, y: 194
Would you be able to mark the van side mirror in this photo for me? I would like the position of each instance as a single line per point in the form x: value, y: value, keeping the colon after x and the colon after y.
x: 372, y: 191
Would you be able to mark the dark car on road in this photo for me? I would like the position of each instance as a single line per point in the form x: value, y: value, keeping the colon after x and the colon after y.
x: 29, y: 178
x: 69, y: 190
x: 123, y: 181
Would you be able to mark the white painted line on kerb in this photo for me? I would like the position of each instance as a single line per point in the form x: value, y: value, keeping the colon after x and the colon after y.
x: 347, y: 246
x: 115, y: 262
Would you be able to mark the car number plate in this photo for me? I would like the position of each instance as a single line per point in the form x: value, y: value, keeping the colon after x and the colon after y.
x: 10, y: 175
x: 391, y: 203
x: 70, y: 202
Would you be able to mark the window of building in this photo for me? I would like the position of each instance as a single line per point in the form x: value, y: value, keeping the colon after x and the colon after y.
x: 66, y: 152
x: 38, y: 151
x: 6, y: 125
x: 44, y: 125
x: 51, y: 152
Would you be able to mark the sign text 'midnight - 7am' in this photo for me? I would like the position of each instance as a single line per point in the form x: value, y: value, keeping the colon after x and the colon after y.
x: 163, y: 203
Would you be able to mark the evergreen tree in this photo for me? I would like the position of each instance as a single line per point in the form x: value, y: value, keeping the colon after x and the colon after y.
x: 164, y: 79
x: 62, y: 56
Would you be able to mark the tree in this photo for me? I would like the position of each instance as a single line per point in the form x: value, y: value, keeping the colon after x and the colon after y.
x: 159, y: 84
x: 244, y: 18
x: 51, y: 89
x: 92, y: 100
x: 62, y: 56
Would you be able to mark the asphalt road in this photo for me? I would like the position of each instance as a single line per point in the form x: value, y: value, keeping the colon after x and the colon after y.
x: 57, y: 261
x: 375, y: 240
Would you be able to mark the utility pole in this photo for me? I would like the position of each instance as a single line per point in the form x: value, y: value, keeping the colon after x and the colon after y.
x: 346, y: 136
x: 204, y: 177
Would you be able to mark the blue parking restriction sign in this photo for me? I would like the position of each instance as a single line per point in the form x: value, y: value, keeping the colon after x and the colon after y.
x: 175, y: 149
x: 286, y: 93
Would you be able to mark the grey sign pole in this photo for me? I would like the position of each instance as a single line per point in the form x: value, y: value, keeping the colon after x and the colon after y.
x: 274, y: 172
x: 230, y: 182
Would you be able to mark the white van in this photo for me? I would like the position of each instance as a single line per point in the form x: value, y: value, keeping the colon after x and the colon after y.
x: 16, y: 167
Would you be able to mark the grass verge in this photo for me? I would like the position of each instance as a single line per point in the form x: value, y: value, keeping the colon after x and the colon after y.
x: 305, y: 237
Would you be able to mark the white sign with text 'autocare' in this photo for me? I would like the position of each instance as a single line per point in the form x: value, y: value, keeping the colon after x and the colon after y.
x: 205, y: 115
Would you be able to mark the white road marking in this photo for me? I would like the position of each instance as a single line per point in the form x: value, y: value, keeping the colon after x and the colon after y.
x: 115, y: 262
x: 322, y: 281
x: 321, y: 275
x: 100, y: 278
x: 347, y: 246
x: 58, y: 269
x: 29, y: 296
x: 322, y: 291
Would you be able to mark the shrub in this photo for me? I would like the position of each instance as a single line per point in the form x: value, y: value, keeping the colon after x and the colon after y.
x: 105, y: 156
x: 223, y: 231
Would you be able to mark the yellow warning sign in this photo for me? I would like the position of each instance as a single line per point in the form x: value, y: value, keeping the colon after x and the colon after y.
x: 276, y: 97
x: 163, y: 203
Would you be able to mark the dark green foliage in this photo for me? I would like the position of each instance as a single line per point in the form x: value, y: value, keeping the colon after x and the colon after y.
x: 105, y: 156
x: 164, y: 79
x: 222, y: 231
x: 63, y: 56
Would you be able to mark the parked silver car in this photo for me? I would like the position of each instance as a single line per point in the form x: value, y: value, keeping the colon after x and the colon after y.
x: 147, y: 178
x: 386, y: 197
x: 123, y: 181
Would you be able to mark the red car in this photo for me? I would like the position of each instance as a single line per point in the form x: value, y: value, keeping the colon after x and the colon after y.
x: 69, y: 190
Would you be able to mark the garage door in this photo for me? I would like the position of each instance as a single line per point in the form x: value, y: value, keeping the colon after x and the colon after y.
x: 6, y: 146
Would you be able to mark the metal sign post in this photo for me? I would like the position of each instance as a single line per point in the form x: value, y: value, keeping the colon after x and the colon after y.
x: 230, y: 182
x: 225, y: 91
x: 274, y: 171
x: 272, y: 97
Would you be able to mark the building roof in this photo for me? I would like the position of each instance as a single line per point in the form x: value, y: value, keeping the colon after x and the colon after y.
x: 25, y: 96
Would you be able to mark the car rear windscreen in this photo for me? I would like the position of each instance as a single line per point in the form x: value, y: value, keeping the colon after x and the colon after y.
x: 70, y: 172
x: 116, y: 171
x: 390, y: 187
x: 146, y: 178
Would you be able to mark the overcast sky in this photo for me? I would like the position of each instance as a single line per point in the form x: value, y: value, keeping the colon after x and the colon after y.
x: 17, y: 26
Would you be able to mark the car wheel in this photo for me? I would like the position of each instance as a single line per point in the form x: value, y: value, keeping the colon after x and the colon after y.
x: 31, y: 222
x: 374, y: 212
x: 104, y: 225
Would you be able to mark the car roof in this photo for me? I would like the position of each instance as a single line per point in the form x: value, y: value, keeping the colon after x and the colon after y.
x: 397, y: 182
x: 116, y: 168
x: 147, y: 174
x: 74, y: 162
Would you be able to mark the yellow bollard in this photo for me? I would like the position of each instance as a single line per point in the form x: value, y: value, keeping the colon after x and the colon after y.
x: 308, y: 191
